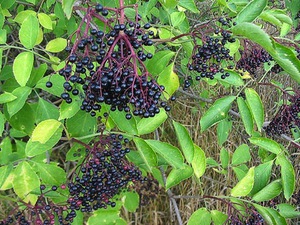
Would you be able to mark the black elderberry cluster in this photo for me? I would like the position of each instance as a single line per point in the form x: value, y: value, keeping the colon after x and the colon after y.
x: 286, y: 119
x: 254, y: 219
x: 107, y: 66
x: 44, y: 212
x: 252, y: 58
x: 209, y: 57
x: 104, y: 173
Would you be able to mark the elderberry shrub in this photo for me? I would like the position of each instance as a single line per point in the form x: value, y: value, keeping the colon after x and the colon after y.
x: 44, y: 212
x: 252, y: 57
x: 104, y: 173
x: 107, y: 64
x: 208, y: 58
x: 286, y: 119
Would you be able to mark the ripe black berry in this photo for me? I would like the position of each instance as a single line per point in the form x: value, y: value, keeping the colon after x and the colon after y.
x: 49, y: 84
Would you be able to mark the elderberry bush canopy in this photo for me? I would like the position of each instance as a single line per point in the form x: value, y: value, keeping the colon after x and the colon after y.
x: 107, y: 66
x: 104, y: 173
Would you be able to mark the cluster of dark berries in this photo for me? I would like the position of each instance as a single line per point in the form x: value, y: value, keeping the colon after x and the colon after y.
x: 252, y: 57
x: 254, y: 219
x: 286, y: 119
x: 44, y: 212
x: 208, y: 58
x: 107, y: 65
x: 104, y: 173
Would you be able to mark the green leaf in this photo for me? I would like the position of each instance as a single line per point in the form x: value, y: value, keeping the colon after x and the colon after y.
x: 240, y: 171
x: 177, y: 18
x: 189, y: 4
x: 251, y: 11
x: 254, y: 33
x: 4, y: 173
x: 223, y: 130
x: 45, y: 111
x: 146, y: 153
x: 21, y: 16
x: 36, y: 148
x: 57, y: 87
x: 148, y: 125
x: 22, y: 67
x: 269, y: 17
x: 224, y: 157
x: 51, y: 174
x: 185, y: 141
x: 200, y: 215
x: 170, y: 153
x: 199, y: 161
x: 45, y: 20
x: 161, y: 59
x: 6, y: 4
x: 2, y: 121
x: 266, y: 143
x: 76, y: 129
x: 265, y: 214
x: 6, y: 150
x: 277, y: 217
x: 29, y: 30
x: 269, y: 192
x: 256, y: 107
x: 131, y: 201
x: 25, y: 181
x: 287, y: 176
x: 243, y: 187
x: 45, y: 130
x: 56, y: 45
x: 128, y: 126
x: 241, y: 155
x: 37, y: 74
x: 7, y: 97
x: 216, y: 113
x: 233, y: 79
x: 245, y: 115
x: 68, y: 110
x: 218, y: 217
x: 262, y: 174
x: 178, y: 175
x: 3, y: 38
x: 21, y: 93
x: 169, y: 79
x: 67, y: 6
x: 287, y: 210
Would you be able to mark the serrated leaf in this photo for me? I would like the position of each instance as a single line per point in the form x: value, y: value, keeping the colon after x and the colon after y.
x: 256, y: 107
x: 233, y: 79
x: 45, y: 130
x: 169, y: 79
x: 178, y: 175
x: 243, y: 187
x: 265, y: 214
x: 7, y: 97
x: 223, y: 130
x: 241, y: 155
x: 217, y: 112
x: 22, y: 67
x: 267, y: 144
x: 224, y: 157
x: 36, y: 148
x: 148, y: 125
x: 122, y: 123
x: 200, y: 215
x: 146, y: 153
x: 199, y: 161
x: 189, y: 4
x: 51, y: 174
x: 287, y: 176
x: 245, y: 115
x: 177, y: 18
x: 25, y: 181
x: 277, y: 217
x: 21, y: 93
x: 21, y: 16
x: 4, y: 173
x: 269, y: 192
x: 29, y: 30
x: 170, y: 153
x: 161, y: 59
x: 56, y: 45
x: 185, y: 141
x: 46, y: 110
x: 67, y: 110
x: 76, y: 129
x: 251, y: 11
x: 45, y: 20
